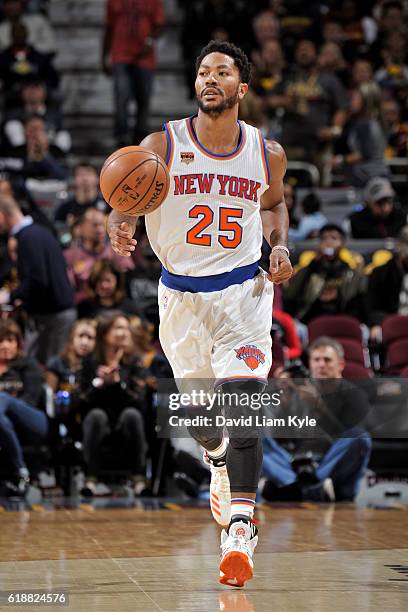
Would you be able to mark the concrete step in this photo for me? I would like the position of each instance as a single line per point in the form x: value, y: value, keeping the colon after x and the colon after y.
x: 91, y: 93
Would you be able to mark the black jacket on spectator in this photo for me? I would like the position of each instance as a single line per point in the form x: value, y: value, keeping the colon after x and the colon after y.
x: 365, y: 225
x: 90, y: 309
x: 112, y: 398
x: 72, y: 207
x: 50, y: 167
x: 44, y: 284
x: 24, y: 380
x: 384, y: 287
x: 35, y: 64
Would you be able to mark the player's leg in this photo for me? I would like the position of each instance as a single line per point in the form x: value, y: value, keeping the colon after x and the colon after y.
x: 242, y: 359
x: 244, y: 464
x: 186, y: 340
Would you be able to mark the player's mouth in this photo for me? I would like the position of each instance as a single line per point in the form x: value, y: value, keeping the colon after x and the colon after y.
x: 210, y: 93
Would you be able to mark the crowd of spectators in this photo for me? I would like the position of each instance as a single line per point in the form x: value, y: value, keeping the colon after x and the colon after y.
x: 330, y: 82
x: 330, y: 79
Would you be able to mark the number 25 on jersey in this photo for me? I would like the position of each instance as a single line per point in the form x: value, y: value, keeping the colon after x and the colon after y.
x: 229, y: 231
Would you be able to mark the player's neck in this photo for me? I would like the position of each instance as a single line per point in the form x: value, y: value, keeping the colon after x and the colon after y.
x: 219, y: 134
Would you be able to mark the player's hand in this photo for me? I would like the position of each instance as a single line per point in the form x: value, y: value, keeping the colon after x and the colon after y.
x: 121, y: 236
x: 280, y: 268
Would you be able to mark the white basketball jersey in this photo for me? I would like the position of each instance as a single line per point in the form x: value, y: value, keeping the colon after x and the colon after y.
x: 210, y: 222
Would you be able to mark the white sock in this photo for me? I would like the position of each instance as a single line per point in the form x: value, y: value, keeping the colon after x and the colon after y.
x: 220, y: 451
x: 242, y: 506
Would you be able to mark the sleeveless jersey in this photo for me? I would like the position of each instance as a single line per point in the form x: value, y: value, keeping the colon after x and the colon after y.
x: 210, y: 222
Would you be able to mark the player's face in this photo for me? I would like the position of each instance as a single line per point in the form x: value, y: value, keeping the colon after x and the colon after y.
x: 324, y: 362
x: 218, y: 86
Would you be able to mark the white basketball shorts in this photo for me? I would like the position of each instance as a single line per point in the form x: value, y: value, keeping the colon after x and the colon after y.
x: 219, y: 335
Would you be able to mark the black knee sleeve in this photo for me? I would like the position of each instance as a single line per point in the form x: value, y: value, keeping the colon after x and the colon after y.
x: 210, y: 435
x: 244, y: 456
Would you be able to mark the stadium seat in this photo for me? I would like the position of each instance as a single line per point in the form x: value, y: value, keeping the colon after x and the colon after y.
x: 336, y: 326
x: 354, y: 370
x: 397, y: 357
x: 394, y: 328
x: 354, y: 352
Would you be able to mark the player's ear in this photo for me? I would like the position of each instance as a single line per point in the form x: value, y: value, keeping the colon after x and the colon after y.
x: 243, y: 88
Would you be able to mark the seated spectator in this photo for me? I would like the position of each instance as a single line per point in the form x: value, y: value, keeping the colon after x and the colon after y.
x: 20, y: 63
x: 360, y: 150
x: 331, y: 60
x: 39, y: 158
x: 391, y: 19
x: 311, y: 221
x: 143, y: 281
x: 380, y: 217
x: 388, y: 287
x: 39, y: 30
x: 85, y: 194
x: 153, y: 360
x: 34, y: 100
x: 92, y: 245
x: 359, y: 29
x: 64, y: 367
x: 107, y: 292
x: 392, y: 76
x: 290, y: 201
x: 396, y: 131
x: 327, y: 285
x: 268, y: 73
x: 315, y: 106
x: 15, y: 188
x: 21, y: 420
x: 329, y: 467
x: 44, y: 290
x: 265, y: 26
x: 286, y: 326
x: 112, y: 389
x: 361, y: 72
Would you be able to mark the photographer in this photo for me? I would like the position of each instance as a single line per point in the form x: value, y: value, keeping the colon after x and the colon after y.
x: 331, y: 466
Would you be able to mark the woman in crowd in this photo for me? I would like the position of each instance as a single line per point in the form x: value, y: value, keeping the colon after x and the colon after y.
x: 107, y: 292
x: 113, y: 398
x: 64, y: 368
x: 360, y: 150
x: 21, y: 421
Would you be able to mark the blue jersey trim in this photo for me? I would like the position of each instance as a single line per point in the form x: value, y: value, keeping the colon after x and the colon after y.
x: 223, y: 155
x: 169, y: 145
x: 206, y: 284
x: 266, y: 159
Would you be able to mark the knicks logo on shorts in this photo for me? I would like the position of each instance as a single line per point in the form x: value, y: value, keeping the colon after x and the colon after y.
x: 251, y: 355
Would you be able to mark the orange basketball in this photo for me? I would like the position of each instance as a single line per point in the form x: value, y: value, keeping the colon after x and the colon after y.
x: 134, y: 180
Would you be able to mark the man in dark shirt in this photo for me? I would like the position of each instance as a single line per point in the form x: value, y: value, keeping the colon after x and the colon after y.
x: 380, y: 218
x: 315, y: 106
x: 44, y: 290
x: 343, y: 448
x: 85, y: 195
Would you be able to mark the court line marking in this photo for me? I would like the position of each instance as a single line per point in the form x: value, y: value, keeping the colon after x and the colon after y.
x: 116, y: 562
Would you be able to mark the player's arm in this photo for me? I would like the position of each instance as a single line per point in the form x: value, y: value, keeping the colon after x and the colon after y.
x: 274, y: 215
x: 121, y: 227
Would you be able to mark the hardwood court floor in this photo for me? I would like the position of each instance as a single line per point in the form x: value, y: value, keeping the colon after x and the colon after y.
x: 309, y: 558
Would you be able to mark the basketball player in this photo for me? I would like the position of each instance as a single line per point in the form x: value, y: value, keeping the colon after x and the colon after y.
x: 215, y: 302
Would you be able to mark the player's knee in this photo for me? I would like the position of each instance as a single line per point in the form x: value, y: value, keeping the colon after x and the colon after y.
x: 240, y: 443
x: 241, y: 417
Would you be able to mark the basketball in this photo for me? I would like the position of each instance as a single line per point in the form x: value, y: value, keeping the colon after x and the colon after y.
x: 134, y: 180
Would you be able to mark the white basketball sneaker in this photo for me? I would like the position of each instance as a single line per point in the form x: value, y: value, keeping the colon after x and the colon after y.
x: 237, y: 549
x: 220, y: 494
